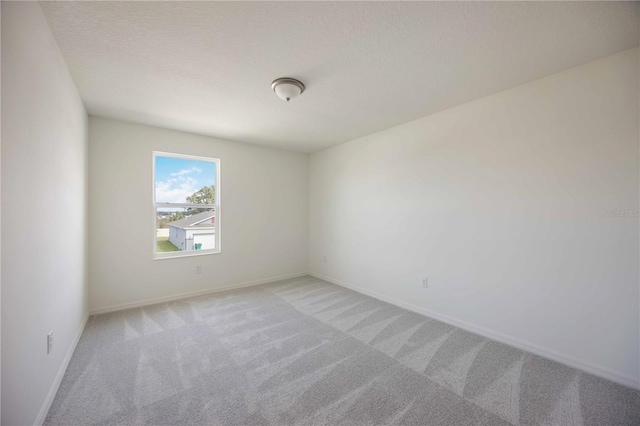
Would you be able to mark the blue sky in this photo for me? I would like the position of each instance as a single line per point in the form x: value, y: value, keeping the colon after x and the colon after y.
x: 177, y: 178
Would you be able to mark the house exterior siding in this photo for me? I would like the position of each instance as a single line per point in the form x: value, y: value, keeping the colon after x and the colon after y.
x: 177, y: 237
x: 185, y: 239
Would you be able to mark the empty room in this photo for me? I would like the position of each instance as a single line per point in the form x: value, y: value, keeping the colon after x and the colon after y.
x: 320, y: 213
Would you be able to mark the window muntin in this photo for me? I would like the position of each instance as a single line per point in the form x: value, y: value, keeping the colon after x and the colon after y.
x: 186, y: 205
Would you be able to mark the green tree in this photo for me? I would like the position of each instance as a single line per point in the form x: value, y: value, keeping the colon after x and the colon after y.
x: 206, y: 195
x: 176, y: 216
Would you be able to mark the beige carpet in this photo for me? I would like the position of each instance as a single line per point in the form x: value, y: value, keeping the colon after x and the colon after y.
x: 303, y: 351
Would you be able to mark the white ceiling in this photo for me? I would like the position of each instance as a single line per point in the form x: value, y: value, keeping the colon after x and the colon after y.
x: 206, y: 67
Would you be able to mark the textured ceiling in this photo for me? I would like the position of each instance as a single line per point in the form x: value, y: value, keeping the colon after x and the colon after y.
x: 206, y: 67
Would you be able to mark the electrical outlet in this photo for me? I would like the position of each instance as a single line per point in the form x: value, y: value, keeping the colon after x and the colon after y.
x: 425, y: 282
x: 49, y: 342
x: 199, y: 269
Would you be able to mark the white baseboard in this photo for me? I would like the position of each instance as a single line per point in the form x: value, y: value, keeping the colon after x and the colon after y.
x: 596, y: 370
x: 164, y: 299
x: 63, y: 368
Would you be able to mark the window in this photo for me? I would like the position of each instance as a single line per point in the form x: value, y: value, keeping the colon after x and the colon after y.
x: 186, y: 205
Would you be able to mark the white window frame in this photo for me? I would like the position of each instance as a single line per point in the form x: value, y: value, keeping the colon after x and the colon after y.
x: 159, y: 205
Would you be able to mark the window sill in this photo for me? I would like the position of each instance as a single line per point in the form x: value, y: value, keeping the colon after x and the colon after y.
x: 178, y: 254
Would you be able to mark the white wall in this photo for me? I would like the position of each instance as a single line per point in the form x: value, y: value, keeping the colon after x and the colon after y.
x: 501, y: 203
x: 264, y: 215
x: 0, y: 246
x: 44, y: 146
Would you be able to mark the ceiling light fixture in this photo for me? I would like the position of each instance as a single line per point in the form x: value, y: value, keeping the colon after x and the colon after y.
x: 287, y: 88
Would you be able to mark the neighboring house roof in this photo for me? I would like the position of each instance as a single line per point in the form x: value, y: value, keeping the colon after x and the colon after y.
x: 195, y: 221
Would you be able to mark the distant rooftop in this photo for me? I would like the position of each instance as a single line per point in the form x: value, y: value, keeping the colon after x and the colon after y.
x: 195, y: 221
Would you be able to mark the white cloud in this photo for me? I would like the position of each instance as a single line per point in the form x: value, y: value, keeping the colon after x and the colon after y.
x: 187, y: 171
x: 177, y: 189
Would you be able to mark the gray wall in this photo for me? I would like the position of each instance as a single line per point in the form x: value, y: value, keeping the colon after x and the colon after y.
x: 502, y: 203
x: 263, y: 215
x: 44, y: 181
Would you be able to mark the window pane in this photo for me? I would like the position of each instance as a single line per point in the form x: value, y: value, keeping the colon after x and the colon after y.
x: 180, y: 180
x: 185, y: 229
